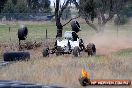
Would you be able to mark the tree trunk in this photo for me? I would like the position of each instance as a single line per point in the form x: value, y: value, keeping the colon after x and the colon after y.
x: 59, y: 28
x: 57, y: 18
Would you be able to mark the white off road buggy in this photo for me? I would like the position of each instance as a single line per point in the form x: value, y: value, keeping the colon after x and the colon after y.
x: 70, y: 44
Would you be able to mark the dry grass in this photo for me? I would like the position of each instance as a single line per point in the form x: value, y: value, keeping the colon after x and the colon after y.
x: 65, y: 71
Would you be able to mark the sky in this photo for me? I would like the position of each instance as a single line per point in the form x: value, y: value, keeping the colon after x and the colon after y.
x: 52, y: 2
x: 62, y: 1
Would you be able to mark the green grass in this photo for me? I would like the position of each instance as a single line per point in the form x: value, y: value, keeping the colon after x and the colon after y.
x: 124, y: 53
x: 38, y: 31
x: 35, y: 31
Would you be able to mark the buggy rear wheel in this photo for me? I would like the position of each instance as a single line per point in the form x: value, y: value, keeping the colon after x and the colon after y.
x: 45, y: 52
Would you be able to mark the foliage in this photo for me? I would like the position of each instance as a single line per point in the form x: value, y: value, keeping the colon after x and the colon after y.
x: 89, y: 7
x: 127, y: 10
x: 45, y: 6
x: 2, y: 3
x: 124, y: 14
x: 102, y: 10
x: 121, y: 20
x: 15, y: 1
x: 9, y: 7
x: 39, y: 5
x: 22, y: 6
x: 66, y: 13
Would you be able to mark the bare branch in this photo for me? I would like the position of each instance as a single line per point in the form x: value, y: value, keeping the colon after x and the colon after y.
x: 76, y: 4
x: 64, y: 3
x: 70, y: 21
x: 64, y: 7
x: 91, y: 25
x: 109, y: 18
x: 87, y: 21
x: 54, y: 4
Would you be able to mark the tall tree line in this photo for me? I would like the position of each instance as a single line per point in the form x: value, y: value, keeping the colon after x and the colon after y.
x: 24, y: 6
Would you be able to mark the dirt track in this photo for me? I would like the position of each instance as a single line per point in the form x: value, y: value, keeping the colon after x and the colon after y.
x: 105, y: 45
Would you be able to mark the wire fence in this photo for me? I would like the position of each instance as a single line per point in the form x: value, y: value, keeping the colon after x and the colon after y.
x: 26, y: 16
x: 33, y: 16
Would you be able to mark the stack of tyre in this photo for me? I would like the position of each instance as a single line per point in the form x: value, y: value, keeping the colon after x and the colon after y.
x: 18, y: 55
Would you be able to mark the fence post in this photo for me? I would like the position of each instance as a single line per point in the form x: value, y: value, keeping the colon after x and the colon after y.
x: 10, y: 33
x: 46, y: 34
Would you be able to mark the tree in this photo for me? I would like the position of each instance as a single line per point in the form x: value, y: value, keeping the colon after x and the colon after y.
x: 2, y: 3
x: 127, y: 10
x: 102, y: 10
x: 21, y: 6
x: 39, y: 5
x: 44, y: 6
x: 15, y: 1
x: 58, y: 13
x: 66, y: 13
x: 33, y: 5
x: 124, y: 15
x: 8, y: 7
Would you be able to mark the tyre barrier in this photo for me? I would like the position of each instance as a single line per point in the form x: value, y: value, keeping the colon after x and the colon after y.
x: 75, y: 26
x: 22, y: 33
x: 17, y: 84
x: 16, y: 56
x: 84, y: 81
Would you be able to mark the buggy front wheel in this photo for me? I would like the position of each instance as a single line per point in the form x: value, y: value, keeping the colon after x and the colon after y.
x: 76, y: 51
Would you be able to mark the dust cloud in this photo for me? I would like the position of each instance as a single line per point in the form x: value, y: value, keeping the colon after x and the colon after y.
x: 109, y: 42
